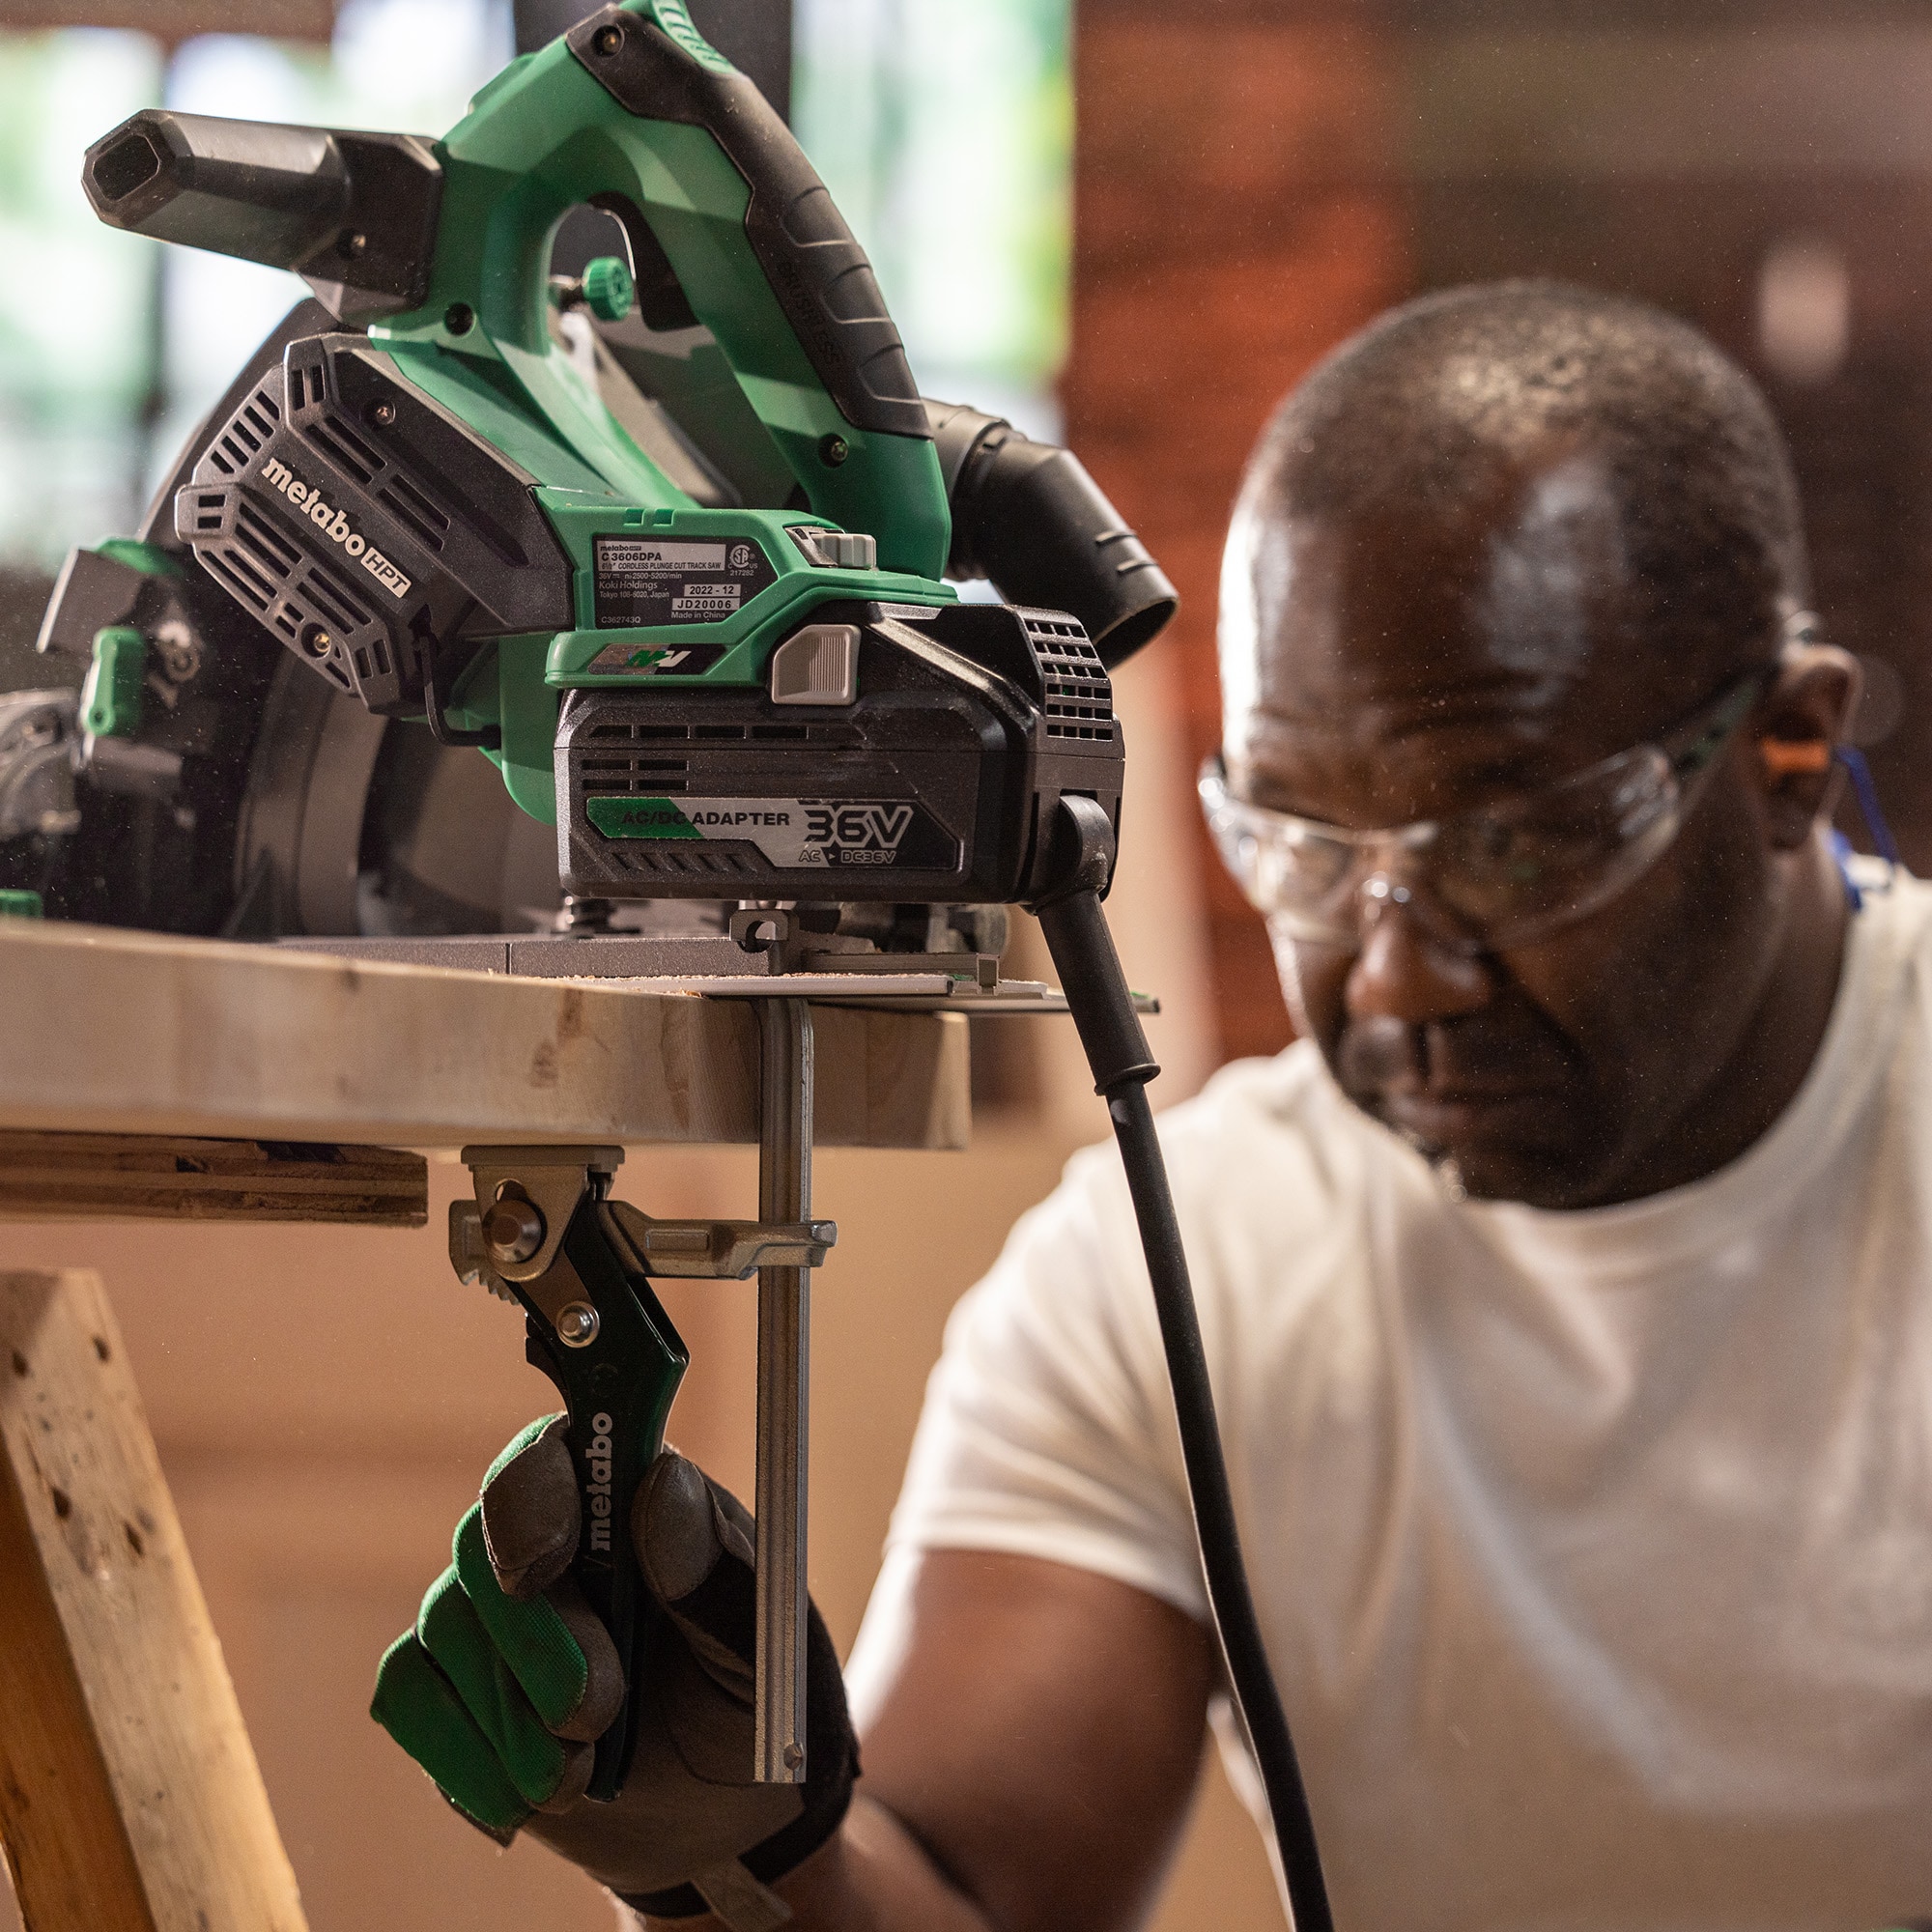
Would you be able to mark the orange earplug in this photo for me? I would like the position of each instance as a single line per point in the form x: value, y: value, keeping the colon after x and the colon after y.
x: 1782, y: 756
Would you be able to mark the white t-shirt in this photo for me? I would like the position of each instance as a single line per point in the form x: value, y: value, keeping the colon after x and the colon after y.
x: 1593, y: 1549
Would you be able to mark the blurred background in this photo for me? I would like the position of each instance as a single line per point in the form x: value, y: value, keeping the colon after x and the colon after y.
x: 1128, y: 224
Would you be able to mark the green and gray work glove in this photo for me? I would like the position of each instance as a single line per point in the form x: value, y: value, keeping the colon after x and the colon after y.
x: 508, y: 1678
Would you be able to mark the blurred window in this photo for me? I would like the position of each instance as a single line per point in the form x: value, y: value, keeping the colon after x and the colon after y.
x: 77, y: 300
x: 945, y: 133
x: 405, y: 66
x: 112, y: 348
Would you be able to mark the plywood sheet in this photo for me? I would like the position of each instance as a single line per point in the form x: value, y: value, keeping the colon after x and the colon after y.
x: 106, y: 1030
x: 175, y: 1178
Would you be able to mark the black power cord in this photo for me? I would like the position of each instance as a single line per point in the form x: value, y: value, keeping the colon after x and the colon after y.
x: 1097, y: 992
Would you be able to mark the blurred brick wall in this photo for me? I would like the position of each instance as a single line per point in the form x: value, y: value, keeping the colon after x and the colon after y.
x: 1234, y: 217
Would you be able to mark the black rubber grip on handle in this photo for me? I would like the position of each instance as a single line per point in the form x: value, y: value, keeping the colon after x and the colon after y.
x: 815, y: 268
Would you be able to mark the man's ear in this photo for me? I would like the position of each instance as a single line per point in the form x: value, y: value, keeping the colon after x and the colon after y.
x: 1801, y: 721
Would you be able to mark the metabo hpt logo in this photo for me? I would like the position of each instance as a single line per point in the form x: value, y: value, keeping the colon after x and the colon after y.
x: 597, y: 1491
x: 335, y: 526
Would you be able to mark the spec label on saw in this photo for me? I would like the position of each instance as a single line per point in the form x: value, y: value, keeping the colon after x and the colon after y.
x: 674, y: 580
x: 792, y: 832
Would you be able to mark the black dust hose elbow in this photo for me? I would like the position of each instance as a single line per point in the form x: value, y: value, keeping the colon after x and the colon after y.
x: 1110, y: 1031
x: 1028, y: 516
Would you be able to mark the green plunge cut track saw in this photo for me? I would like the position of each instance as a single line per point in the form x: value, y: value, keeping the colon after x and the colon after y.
x: 705, y: 631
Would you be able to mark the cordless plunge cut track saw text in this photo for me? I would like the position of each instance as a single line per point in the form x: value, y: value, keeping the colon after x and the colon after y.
x: 686, y: 590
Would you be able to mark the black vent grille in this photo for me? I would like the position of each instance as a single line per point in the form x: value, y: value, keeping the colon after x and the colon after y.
x: 261, y: 538
x: 839, y: 733
x: 678, y: 859
x: 339, y: 444
x: 1079, y: 696
x: 306, y: 591
x: 637, y: 734
x: 330, y: 431
x: 240, y: 576
x: 416, y: 512
x: 205, y: 513
x: 335, y: 601
x: 247, y: 430
x: 649, y: 775
x: 297, y: 597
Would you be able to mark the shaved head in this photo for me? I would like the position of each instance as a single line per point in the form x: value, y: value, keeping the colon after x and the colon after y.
x: 1651, y: 453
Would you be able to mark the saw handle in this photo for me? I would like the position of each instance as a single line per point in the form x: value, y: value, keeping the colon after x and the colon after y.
x: 653, y: 64
x: 617, y: 1388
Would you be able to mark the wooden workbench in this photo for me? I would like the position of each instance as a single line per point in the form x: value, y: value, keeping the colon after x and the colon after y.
x: 109, y: 1032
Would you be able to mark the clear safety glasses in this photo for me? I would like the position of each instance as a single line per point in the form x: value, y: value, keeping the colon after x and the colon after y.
x: 1503, y: 875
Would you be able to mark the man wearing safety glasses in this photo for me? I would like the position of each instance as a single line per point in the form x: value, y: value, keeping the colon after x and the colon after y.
x: 1387, y: 937
x: 1564, y: 1288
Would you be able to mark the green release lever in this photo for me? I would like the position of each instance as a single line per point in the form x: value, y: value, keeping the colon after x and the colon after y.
x: 110, y: 698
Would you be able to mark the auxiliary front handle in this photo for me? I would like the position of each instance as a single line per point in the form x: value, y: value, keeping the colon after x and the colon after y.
x: 354, y: 214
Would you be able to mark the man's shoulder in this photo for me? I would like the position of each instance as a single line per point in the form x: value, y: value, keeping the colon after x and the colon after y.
x: 1895, y: 898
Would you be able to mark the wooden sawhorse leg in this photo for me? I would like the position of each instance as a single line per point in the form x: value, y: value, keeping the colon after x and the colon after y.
x: 130, y: 1798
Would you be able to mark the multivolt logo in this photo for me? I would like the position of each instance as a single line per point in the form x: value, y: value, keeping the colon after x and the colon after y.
x: 597, y: 1489
x: 334, y: 525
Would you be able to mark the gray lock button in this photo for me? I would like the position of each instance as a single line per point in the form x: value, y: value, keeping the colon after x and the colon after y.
x: 819, y: 664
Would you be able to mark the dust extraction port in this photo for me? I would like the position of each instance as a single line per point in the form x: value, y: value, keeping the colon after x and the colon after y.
x: 126, y: 166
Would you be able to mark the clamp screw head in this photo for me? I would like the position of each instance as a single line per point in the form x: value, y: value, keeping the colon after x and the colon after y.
x: 576, y: 1324
x: 513, y: 1230
x: 608, y: 40
x: 793, y: 1755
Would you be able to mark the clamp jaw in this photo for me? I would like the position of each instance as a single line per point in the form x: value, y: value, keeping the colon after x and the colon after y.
x: 505, y: 1236
x: 543, y: 1232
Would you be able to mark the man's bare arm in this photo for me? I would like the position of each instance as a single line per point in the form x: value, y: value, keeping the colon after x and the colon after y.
x: 1029, y: 1758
